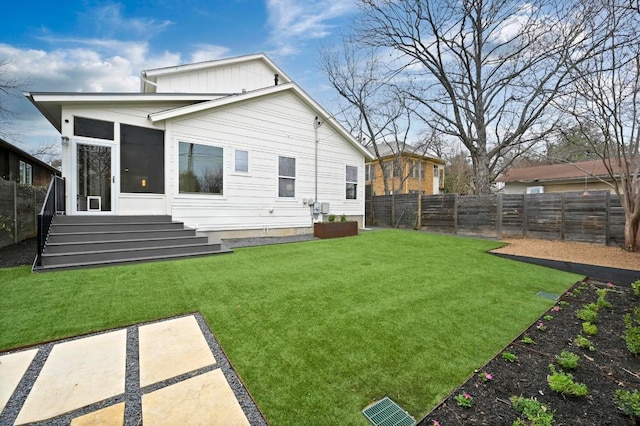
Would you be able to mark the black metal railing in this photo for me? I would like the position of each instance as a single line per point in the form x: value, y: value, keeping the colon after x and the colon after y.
x: 53, y: 205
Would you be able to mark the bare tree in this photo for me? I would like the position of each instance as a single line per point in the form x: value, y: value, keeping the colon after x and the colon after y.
x: 605, y: 96
x: 50, y: 153
x: 483, y: 72
x: 10, y: 85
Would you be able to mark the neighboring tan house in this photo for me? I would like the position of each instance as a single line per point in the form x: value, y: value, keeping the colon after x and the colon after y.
x: 19, y: 166
x: 410, y: 172
x: 231, y: 147
x: 566, y: 177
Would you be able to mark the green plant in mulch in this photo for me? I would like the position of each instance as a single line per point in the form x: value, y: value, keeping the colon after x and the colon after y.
x: 632, y: 331
x: 567, y: 360
x: 589, y: 328
x: 602, y: 301
x: 464, y: 400
x: 527, y: 340
x: 563, y: 304
x: 509, y: 356
x: 533, y: 412
x: 563, y: 383
x: 547, y: 317
x: 331, y: 218
x: 343, y: 217
x: 628, y: 402
x: 588, y: 313
x: 584, y: 343
x: 636, y: 287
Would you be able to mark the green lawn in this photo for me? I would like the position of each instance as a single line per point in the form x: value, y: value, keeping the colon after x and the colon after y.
x: 317, y: 330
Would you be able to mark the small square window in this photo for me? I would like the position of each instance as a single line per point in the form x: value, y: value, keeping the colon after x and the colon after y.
x: 241, y: 161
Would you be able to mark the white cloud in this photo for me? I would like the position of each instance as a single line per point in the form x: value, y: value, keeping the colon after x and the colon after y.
x: 293, y: 21
x: 208, y: 52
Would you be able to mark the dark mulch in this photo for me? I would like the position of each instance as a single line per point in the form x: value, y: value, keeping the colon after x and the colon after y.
x: 610, y: 367
x: 19, y: 254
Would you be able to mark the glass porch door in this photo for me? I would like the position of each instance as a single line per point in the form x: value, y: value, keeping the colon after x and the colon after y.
x: 94, y: 187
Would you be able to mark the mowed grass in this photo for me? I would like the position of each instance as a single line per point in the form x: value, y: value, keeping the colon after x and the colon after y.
x: 316, y: 330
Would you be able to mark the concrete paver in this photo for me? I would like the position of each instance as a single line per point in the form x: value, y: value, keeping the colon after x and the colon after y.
x: 77, y: 373
x: 171, y: 348
x: 12, y: 368
x: 108, y: 416
x: 203, y: 400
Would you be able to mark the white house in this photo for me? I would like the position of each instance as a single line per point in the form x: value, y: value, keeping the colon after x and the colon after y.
x: 231, y: 147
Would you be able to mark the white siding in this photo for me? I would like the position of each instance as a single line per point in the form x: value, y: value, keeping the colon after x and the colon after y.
x: 230, y: 79
x: 280, y: 125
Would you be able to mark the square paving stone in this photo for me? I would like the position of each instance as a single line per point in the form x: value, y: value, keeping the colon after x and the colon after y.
x: 77, y: 373
x: 12, y: 368
x: 171, y: 348
x: 205, y: 399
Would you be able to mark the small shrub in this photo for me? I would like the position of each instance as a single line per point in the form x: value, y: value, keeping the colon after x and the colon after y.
x: 602, y: 301
x: 527, y: 340
x: 563, y: 304
x: 568, y: 360
x: 343, y: 217
x: 464, y: 400
x: 331, y: 218
x: 636, y: 287
x: 590, y: 329
x: 533, y: 411
x: 632, y: 331
x: 628, y: 402
x: 588, y: 313
x: 584, y: 343
x: 509, y: 356
x: 563, y: 383
x: 547, y: 317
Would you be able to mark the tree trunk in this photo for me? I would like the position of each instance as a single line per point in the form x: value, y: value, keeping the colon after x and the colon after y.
x: 481, y: 180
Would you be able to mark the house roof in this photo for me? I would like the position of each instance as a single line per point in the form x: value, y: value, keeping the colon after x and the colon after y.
x: 385, y: 150
x: 6, y: 145
x: 149, y: 78
x: 556, y: 172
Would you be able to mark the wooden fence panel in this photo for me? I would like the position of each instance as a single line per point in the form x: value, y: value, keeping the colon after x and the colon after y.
x: 616, y: 222
x: 585, y: 218
x: 512, y: 215
x: 439, y: 213
x: 478, y: 215
x: 382, y: 210
x: 544, y: 216
x: 406, y: 210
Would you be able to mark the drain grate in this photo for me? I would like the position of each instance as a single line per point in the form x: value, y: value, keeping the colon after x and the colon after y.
x: 548, y: 295
x: 387, y: 413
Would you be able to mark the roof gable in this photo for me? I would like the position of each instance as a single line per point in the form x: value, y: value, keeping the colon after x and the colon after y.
x: 232, y: 75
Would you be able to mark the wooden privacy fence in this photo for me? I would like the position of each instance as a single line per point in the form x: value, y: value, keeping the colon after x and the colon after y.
x: 569, y: 216
x: 19, y: 208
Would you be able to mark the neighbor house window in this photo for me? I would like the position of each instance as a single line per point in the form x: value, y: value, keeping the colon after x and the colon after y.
x: 535, y: 190
x: 286, y: 177
x: 91, y: 128
x: 241, y: 161
x: 201, y: 168
x: 352, y: 182
x: 141, y: 160
x: 26, y: 173
x: 436, y: 173
x: 370, y: 172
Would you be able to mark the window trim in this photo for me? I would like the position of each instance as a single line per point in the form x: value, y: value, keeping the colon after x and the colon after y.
x: 241, y: 173
x: 195, y: 141
x: 294, y: 177
x: 347, y: 182
x: 25, y: 170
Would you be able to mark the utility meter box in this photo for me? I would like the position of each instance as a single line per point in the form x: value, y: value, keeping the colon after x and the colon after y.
x: 324, y: 209
x: 317, y: 208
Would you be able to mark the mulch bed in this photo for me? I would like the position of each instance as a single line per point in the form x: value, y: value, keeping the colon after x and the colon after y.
x: 610, y: 367
x: 19, y: 254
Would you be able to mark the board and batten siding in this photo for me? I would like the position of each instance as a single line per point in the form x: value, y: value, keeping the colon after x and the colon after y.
x: 230, y: 79
x: 266, y: 127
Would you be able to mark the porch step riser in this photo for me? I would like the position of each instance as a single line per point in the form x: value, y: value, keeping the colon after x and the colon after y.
x: 112, y: 236
x: 128, y: 255
x: 121, y: 245
x: 110, y: 219
x: 114, y: 227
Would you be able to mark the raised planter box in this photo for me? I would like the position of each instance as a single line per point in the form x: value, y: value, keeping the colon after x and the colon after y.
x: 335, y: 229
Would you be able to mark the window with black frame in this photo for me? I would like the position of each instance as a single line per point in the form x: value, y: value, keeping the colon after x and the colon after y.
x: 200, y: 168
x: 286, y: 177
x: 141, y: 160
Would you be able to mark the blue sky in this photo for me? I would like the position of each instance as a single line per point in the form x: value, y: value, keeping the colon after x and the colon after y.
x: 101, y: 46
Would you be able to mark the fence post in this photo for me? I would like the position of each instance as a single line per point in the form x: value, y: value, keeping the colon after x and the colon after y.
x: 562, y: 216
x: 499, y: 216
x: 419, y: 219
x: 455, y: 214
x: 524, y: 215
x: 15, y: 212
x: 607, y: 218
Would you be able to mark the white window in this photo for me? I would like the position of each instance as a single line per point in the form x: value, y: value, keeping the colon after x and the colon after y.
x: 241, y: 161
x: 436, y: 173
x: 286, y: 177
x: 200, y: 168
x: 26, y: 173
x: 370, y: 172
x: 352, y: 182
x: 535, y: 190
